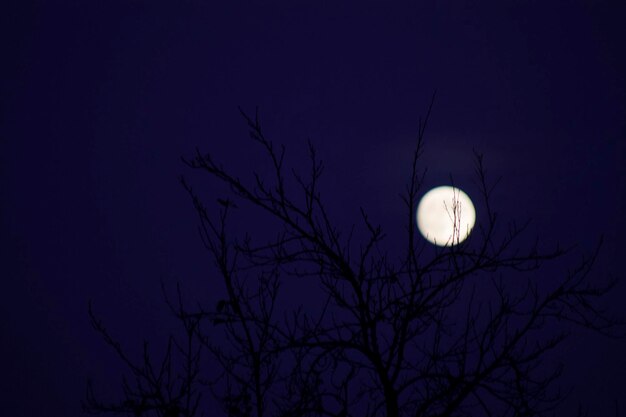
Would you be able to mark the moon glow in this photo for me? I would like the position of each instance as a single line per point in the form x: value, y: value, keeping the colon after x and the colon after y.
x: 445, y: 216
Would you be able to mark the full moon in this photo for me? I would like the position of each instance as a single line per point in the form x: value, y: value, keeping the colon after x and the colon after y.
x: 445, y: 216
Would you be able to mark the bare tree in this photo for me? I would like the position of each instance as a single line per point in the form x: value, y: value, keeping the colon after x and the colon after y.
x: 454, y: 331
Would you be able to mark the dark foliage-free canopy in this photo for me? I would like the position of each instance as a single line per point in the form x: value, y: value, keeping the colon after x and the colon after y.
x: 462, y: 330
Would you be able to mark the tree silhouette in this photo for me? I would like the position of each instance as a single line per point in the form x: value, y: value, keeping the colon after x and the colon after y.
x: 460, y: 330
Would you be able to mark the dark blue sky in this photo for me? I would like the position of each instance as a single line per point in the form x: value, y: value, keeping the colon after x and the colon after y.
x: 99, y: 99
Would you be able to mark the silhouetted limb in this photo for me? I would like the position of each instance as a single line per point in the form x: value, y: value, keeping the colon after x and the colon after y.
x: 169, y: 388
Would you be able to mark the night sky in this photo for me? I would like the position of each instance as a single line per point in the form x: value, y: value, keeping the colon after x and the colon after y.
x: 100, y: 99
